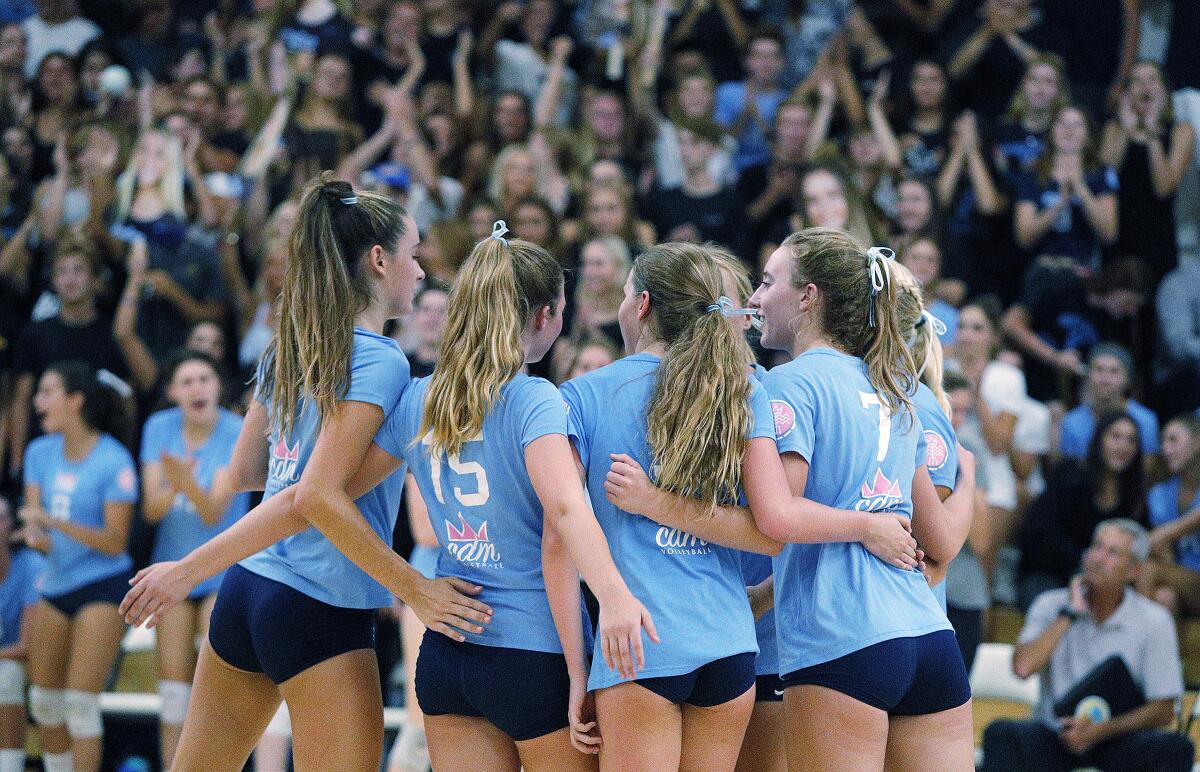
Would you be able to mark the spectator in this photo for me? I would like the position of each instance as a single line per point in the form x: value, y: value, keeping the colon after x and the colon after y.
x: 827, y: 200
x: 1177, y: 369
x: 1151, y: 151
x: 1098, y: 39
x: 988, y: 54
x: 1172, y: 575
x: 1068, y: 205
x: 1020, y: 135
x: 57, y: 27
x: 975, y: 209
x: 1110, y: 369
x: 428, y: 322
x: 702, y: 208
x: 1081, y: 493
x: 20, y: 575
x: 917, y: 216
x: 746, y: 109
x: 604, y: 266
x: 78, y: 331
x: 1068, y: 633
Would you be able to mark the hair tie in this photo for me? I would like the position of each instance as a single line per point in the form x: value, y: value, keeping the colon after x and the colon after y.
x: 349, y: 200
x: 939, y: 327
x: 879, y: 269
x: 724, y: 307
x: 114, y: 382
x: 498, y: 231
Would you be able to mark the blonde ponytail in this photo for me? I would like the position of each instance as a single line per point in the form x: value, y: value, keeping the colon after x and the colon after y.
x: 699, y: 413
x: 858, y: 311
x: 324, y: 289
x: 920, y: 331
x: 501, y: 285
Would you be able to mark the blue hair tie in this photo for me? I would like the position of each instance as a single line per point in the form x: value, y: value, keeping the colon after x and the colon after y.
x: 724, y: 306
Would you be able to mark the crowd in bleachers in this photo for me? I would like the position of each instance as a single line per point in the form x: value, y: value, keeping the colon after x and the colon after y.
x: 1032, y: 163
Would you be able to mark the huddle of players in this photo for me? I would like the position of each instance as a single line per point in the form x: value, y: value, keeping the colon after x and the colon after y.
x: 751, y: 536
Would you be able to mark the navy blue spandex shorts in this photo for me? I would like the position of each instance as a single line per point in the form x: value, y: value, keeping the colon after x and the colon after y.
x: 903, y: 676
x: 108, y: 590
x: 522, y: 693
x: 712, y: 684
x: 263, y: 626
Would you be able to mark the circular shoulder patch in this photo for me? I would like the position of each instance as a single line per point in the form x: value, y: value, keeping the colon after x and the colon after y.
x: 936, y: 452
x: 785, y: 418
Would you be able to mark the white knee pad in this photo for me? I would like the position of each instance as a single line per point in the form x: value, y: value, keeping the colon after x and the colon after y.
x: 83, y: 715
x: 410, y: 750
x: 175, y: 696
x: 48, y: 706
x: 12, y: 682
x: 12, y: 760
x: 58, y: 762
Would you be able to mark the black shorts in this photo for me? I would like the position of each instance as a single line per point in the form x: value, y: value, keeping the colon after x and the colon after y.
x: 523, y: 693
x: 903, y: 676
x: 716, y: 683
x: 110, y: 590
x: 768, y: 688
x: 263, y: 626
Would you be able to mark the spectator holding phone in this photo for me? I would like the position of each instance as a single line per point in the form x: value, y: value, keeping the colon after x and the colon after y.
x: 1067, y: 634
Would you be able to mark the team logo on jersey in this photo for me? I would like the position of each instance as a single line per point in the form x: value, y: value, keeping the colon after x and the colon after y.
x: 65, y: 482
x: 672, y: 541
x: 471, y: 545
x: 936, y: 450
x: 284, y: 460
x: 785, y: 418
x: 879, y: 494
x: 127, y: 480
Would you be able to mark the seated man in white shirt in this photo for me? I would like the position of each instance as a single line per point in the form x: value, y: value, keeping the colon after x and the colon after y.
x: 1068, y: 632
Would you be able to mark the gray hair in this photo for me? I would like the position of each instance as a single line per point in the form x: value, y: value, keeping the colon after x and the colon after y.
x: 1140, y: 549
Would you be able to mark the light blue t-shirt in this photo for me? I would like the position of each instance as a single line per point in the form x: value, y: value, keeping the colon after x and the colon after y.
x: 1079, y: 425
x: 1162, y: 503
x: 694, y: 590
x: 834, y: 599
x: 484, y: 509
x: 755, y: 570
x: 19, y: 591
x: 941, y: 452
x: 753, y: 144
x: 77, y: 491
x: 181, y: 529
x: 308, y: 562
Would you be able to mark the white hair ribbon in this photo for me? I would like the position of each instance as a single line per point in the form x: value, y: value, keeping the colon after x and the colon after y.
x: 879, y: 266
x: 498, y: 231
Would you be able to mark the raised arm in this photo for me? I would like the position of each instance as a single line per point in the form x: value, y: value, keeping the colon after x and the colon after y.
x: 137, y: 356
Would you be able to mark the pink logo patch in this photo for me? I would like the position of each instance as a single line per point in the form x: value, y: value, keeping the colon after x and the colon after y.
x: 466, y: 532
x: 785, y: 418
x: 126, y: 480
x: 881, y: 486
x: 936, y: 452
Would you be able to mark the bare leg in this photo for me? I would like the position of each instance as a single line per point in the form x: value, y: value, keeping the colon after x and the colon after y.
x: 763, y: 749
x: 641, y: 730
x: 712, y: 737
x: 176, y: 635
x: 469, y: 743
x: 227, y: 714
x: 828, y: 730
x: 942, y: 741
x: 49, y: 651
x: 95, y: 640
x: 337, y: 714
x: 553, y: 752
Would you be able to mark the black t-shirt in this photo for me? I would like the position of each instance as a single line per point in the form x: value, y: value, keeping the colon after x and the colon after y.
x: 1183, y: 66
x: 43, y: 343
x: 719, y: 217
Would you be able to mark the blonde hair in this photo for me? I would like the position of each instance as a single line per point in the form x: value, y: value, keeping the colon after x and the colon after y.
x: 324, y: 288
x: 922, y: 338
x: 170, y: 185
x: 610, y: 299
x: 838, y: 265
x: 499, y: 288
x: 699, y: 412
x: 1018, y: 108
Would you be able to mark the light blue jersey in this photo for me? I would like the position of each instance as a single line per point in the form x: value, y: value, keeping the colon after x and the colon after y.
x: 484, y: 510
x: 77, y: 491
x: 834, y: 599
x: 1079, y: 425
x: 308, y: 562
x: 941, y: 452
x: 181, y: 529
x: 1162, y: 503
x: 755, y: 570
x: 693, y: 590
x: 19, y: 591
